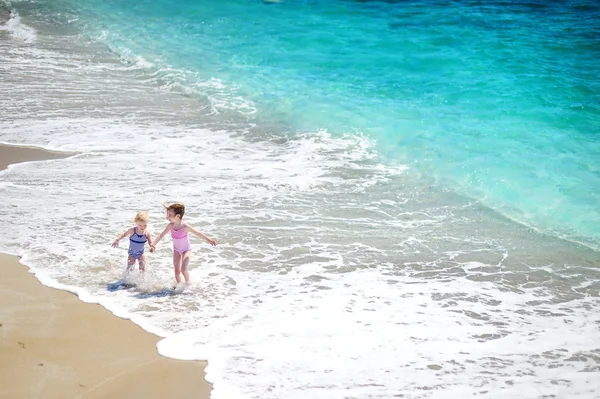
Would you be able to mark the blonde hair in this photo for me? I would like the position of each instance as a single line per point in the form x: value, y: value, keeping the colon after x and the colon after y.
x: 141, y: 217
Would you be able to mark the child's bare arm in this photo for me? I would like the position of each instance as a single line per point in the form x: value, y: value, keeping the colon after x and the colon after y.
x: 155, y: 243
x: 116, y: 242
x: 190, y: 229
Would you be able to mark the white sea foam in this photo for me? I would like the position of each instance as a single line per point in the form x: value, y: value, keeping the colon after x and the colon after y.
x: 142, y: 63
x: 335, y: 274
x: 18, y: 29
x: 368, y: 337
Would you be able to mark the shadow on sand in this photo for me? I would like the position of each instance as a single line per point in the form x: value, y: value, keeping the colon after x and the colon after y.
x: 156, y: 294
x: 122, y: 285
x: 119, y: 285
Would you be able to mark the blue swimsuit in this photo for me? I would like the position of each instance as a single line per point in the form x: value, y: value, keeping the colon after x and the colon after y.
x: 136, y: 244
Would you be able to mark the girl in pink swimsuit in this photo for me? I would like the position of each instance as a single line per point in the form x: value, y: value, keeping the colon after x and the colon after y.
x: 181, y: 240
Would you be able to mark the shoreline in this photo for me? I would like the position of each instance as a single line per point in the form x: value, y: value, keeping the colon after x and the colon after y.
x: 54, y: 345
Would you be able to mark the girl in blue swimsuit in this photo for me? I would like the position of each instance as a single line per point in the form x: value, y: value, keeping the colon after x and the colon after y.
x: 138, y: 237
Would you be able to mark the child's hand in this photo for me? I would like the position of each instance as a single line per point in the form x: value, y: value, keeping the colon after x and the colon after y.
x: 115, y: 244
x: 212, y: 242
x: 152, y: 248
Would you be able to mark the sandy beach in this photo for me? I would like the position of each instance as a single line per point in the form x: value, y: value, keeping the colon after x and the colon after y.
x: 52, y: 345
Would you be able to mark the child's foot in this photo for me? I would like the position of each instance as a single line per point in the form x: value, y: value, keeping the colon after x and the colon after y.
x: 179, y: 288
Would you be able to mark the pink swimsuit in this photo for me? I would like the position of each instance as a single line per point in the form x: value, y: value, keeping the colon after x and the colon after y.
x: 181, y: 241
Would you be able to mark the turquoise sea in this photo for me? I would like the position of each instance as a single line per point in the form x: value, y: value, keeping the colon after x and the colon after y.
x: 425, y: 171
x: 497, y: 100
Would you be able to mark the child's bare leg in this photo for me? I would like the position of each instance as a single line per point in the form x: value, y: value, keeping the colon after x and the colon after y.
x: 130, y: 263
x: 184, y: 266
x: 177, y: 266
x: 142, y: 263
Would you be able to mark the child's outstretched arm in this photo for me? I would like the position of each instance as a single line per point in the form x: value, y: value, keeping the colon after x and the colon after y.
x: 116, y: 242
x: 190, y: 229
x: 155, y: 243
